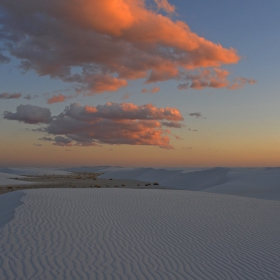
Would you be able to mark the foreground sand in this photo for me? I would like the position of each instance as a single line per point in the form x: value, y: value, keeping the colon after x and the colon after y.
x: 139, y: 234
x: 76, y: 226
x: 75, y: 180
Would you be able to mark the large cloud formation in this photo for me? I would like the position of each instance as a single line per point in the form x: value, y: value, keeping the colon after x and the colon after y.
x: 112, y: 123
x: 99, y: 45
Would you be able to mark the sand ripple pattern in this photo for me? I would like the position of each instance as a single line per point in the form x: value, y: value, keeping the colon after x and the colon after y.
x: 140, y: 234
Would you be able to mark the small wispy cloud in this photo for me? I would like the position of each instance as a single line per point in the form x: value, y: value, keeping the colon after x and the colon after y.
x: 6, y: 95
x: 4, y: 59
x: 56, y: 99
x: 28, y: 97
x: 125, y: 96
x: 187, y: 148
x: 156, y: 89
x: 152, y: 90
x: 196, y: 114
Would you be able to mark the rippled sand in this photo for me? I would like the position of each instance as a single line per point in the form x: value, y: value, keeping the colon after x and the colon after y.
x: 140, y: 234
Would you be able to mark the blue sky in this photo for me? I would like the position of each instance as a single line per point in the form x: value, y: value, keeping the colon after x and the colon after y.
x: 236, y: 128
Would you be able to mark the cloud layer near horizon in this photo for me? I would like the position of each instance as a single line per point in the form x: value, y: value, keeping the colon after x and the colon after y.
x: 112, y: 123
x: 99, y: 45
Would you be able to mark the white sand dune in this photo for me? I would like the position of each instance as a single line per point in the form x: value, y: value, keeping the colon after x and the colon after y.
x: 8, y: 204
x: 96, y: 169
x: 263, y: 183
x: 190, y: 180
x: 141, y: 174
x: 7, y: 175
x: 140, y: 234
x: 6, y: 180
x: 33, y: 171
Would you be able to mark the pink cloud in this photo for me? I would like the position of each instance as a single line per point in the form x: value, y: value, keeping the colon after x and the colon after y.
x: 240, y: 82
x: 178, y: 137
x: 100, y: 83
x: 153, y: 90
x: 109, y: 43
x: 112, y: 123
x: 123, y: 111
x: 126, y: 96
x: 212, y: 78
x: 165, y: 5
x: 156, y: 89
x: 56, y: 99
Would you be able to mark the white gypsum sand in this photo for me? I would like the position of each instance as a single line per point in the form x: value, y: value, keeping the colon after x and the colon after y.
x: 13, y: 176
x: 263, y: 183
x: 9, y: 179
x: 8, y: 205
x: 140, y: 234
x: 196, y: 180
x: 33, y: 171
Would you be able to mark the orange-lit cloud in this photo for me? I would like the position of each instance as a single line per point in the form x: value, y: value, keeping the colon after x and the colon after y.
x: 213, y: 78
x: 123, y: 111
x: 100, y: 83
x: 56, y: 99
x: 112, y: 123
x: 156, y: 89
x: 165, y: 5
x: 100, y: 45
x: 178, y: 137
x: 153, y: 90
x: 240, y: 82
x: 126, y: 96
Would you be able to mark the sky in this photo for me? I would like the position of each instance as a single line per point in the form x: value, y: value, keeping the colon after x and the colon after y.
x: 139, y: 83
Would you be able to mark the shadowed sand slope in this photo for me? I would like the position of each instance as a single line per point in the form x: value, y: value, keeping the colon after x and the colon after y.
x: 263, y: 183
x: 8, y: 204
x: 140, y: 234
